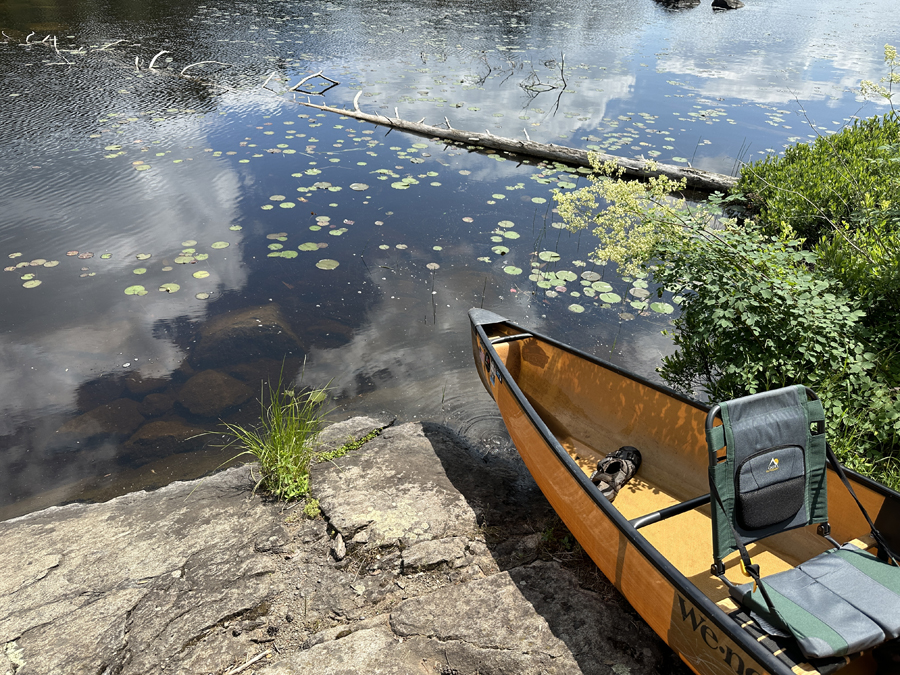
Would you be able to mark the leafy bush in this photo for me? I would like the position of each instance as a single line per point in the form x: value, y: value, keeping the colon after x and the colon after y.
x: 816, y: 188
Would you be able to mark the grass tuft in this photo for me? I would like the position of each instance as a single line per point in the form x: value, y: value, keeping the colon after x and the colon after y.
x: 284, y: 442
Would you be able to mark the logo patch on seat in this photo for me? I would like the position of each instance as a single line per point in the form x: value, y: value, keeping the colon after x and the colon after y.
x: 773, y: 465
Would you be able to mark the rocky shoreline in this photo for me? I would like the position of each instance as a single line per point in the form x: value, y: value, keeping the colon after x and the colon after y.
x: 430, y: 556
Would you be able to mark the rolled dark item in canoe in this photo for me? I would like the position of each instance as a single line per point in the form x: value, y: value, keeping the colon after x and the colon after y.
x: 695, y: 179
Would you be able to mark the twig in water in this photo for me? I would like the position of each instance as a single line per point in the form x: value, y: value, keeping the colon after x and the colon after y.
x: 448, y: 123
x: 356, y: 101
x: 527, y: 137
x: 273, y: 74
x: 199, y: 63
x: 153, y: 60
x: 305, y: 79
x: 28, y: 38
x: 111, y: 44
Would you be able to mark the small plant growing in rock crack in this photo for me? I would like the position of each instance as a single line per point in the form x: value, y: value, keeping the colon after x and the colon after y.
x: 284, y: 442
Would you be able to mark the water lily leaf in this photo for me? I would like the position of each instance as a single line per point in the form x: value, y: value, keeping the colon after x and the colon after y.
x: 662, y: 307
x: 359, y: 187
x: 276, y: 247
x: 400, y: 185
x: 170, y: 288
x: 200, y: 274
x: 140, y: 270
x: 327, y: 264
x: 601, y: 287
x: 500, y: 250
x: 433, y: 266
x: 590, y: 276
x: 105, y: 256
x: 26, y: 277
x: 202, y: 296
x: 548, y: 256
x: 512, y: 269
x: 538, y: 200
x: 51, y: 263
x: 611, y: 298
x: 139, y: 256
x: 184, y: 259
x: 267, y: 207
x: 310, y: 246
x: 578, y: 309
x: 283, y: 254
x: 510, y: 234
x: 135, y: 290
x: 384, y: 247
x: 287, y: 205
x: 566, y: 275
x: 626, y: 316
x: 189, y: 242
x: 277, y: 198
x: 639, y: 292
x: 506, y: 223
x: 220, y: 244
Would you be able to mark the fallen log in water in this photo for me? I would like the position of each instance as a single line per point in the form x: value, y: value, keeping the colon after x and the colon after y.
x: 695, y: 179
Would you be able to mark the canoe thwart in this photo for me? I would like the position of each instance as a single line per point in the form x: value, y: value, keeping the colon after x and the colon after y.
x: 669, y: 511
x: 510, y: 338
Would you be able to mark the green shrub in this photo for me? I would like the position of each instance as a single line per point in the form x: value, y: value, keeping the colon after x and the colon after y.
x: 816, y: 187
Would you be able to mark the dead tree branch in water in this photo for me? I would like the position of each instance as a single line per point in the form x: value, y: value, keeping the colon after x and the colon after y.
x: 695, y: 179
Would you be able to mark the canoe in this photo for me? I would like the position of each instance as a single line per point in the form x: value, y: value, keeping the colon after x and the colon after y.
x: 565, y: 409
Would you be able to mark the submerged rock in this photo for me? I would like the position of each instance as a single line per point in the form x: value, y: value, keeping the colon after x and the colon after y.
x: 245, y: 335
x: 162, y: 438
x: 210, y: 393
x: 118, y: 419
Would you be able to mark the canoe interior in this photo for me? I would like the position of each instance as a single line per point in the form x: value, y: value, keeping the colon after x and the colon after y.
x: 593, y: 410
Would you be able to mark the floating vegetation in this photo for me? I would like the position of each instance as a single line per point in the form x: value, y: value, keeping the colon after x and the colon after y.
x: 219, y: 244
x: 140, y: 270
x: 200, y: 274
x: 139, y: 256
x: 578, y: 309
x: 135, y: 290
x: 201, y: 296
x: 170, y: 288
x: 327, y: 264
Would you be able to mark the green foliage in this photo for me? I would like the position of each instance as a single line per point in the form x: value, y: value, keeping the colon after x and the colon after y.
x: 869, y: 88
x: 349, y: 446
x: 311, y: 509
x: 815, y: 189
x: 284, y: 441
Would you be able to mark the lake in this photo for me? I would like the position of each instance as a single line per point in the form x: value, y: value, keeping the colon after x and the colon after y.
x: 159, y: 223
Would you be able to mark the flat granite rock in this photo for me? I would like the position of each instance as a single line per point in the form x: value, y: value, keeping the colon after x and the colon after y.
x: 444, y: 569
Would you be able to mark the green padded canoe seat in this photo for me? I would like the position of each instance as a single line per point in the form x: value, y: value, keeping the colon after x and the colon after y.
x: 838, y: 603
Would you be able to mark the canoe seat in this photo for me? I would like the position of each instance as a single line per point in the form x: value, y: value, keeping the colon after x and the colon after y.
x: 771, y: 479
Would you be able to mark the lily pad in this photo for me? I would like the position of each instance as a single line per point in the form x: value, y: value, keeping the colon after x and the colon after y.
x: 639, y: 292
x: 539, y: 200
x: 184, y: 259
x: 189, y: 242
x: 283, y: 254
x: 510, y: 234
x: 170, y: 288
x: 220, y: 244
x: 662, y: 307
x: 548, y: 256
x: 506, y: 223
x: 139, y: 256
x: 200, y: 274
x: 578, y: 309
x: 601, y: 287
x: 500, y: 250
x: 433, y: 266
x: 327, y: 264
x: 135, y: 290
x: 566, y: 275
x: 310, y: 246
x: 512, y: 269
x: 202, y: 296
x: 140, y: 270
x: 359, y: 187
x: 611, y: 298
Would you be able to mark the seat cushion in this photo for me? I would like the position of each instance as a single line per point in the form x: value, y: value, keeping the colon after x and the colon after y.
x: 840, y: 602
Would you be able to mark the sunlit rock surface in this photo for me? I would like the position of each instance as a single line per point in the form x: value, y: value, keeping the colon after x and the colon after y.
x: 446, y: 569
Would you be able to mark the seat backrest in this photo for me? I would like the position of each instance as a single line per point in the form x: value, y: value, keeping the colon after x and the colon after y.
x: 772, y: 476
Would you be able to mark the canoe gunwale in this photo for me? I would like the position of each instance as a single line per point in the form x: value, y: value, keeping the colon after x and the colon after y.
x: 673, y: 576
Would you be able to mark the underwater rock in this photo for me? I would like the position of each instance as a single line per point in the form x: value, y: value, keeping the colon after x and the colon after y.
x: 162, y: 438
x: 210, y: 393
x: 119, y: 418
x: 246, y: 335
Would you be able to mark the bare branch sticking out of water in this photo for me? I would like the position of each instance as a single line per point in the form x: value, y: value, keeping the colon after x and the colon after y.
x: 153, y: 60
x: 28, y: 38
x: 200, y: 63
x: 111, y: 44
x: 266, y: 83
x: 356, y: 101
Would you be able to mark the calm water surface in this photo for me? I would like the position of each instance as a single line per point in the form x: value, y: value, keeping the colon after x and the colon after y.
x: 228, y: 195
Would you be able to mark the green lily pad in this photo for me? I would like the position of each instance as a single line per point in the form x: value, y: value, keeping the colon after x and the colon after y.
x: 170, y: 288
x: 611, y: 298
x: 143, y: 256
x: 566, y: 275
x: 359, y: 187
x: 184, y: 259
x: 287, y: 205
x: 662, y: 307
x: 310, y: 246
x: 548, y: 256
x: 276, y: 247
x: 219, y: 244
x: 601, y: 287
x: 506, y: 223
x: 105, y: 256
x: 639, y: 292
x: 140, y: 270
x: 135, y: 290
x: 283, y: 254
x: 200, y: 274
x: 202, y: 296
x: 578, y: 309
x: 277, y: 198
x: 500, y: 250
x: 189, y: 242
x: 327, y: 264
x: 590, y: 276
x: 512, y: 269
x: 539, y: 200
x: 510, y: 234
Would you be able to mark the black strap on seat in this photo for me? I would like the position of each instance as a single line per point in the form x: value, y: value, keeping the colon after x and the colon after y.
x: 884, y: 550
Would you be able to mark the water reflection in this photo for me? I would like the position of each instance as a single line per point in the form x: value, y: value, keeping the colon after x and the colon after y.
x: 107, y: 157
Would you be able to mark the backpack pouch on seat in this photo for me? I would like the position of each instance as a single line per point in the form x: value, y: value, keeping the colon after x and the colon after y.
x: 769, y: 486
